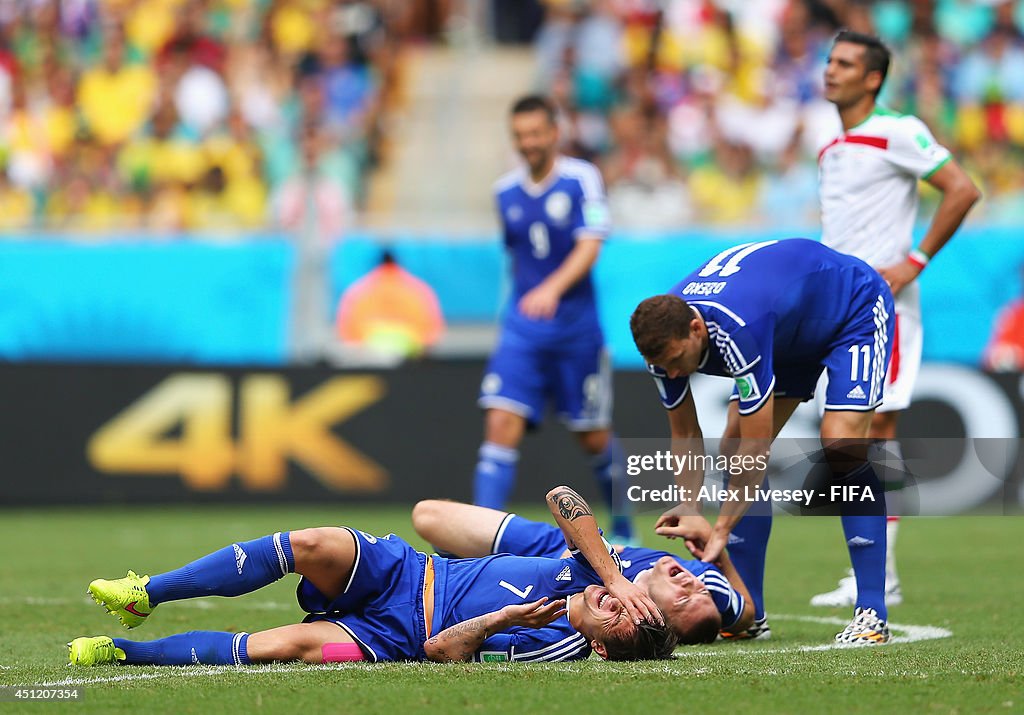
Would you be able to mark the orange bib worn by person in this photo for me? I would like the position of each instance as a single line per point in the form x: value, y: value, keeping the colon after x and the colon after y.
x: 391, y: 310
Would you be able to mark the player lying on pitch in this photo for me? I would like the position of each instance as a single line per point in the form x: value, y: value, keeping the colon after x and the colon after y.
x: 396, y: 603
x: 698, y: 599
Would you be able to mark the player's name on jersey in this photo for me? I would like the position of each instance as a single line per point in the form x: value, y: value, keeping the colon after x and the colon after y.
x: 716, y: 493
x: 704, y: 287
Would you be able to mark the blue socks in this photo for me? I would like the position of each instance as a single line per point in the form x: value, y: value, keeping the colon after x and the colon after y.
x: 864, y: 528
x: 748, y: 545
x: 495, y: 475
x: 610, y: 472
x: 240, y: 568
x: 206, y: 647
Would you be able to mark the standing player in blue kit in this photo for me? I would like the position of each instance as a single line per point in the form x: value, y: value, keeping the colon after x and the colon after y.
x: 551, y: 349
x: 771, y: 316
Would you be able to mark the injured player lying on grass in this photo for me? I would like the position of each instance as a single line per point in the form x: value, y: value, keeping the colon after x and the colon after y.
x: 700, y: 601
x: 396, y: 603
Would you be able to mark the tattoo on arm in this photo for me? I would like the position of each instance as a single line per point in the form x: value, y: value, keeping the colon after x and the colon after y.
x: 461, y: 641
x: 570, y: 504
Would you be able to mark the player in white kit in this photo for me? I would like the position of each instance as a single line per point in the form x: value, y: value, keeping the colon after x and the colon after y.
x: 868, y: 179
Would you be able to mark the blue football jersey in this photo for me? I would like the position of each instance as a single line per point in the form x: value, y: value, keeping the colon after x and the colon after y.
x: 473, y: 587
x: 637, y: 559
x: 777, y: 304
x: 518, y: 535
x: 541, y: 224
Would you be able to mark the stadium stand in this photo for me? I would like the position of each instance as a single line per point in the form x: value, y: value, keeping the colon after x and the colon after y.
x: 711, y: 112
x: 190, y: 115
x: 177, y: 116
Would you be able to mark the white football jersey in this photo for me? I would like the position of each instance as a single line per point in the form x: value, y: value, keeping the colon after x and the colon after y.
x: 868, y: 185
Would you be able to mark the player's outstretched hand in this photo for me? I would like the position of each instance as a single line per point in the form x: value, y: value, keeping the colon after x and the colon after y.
x: 638, y: 604
x: 536, y: 614
x: 695, y: 530
x: 899, y: 275
x: 540, y: 303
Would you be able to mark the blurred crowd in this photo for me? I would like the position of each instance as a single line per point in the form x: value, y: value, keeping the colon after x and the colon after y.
x: 233, y: 115
x: 711, y: 111
x: 172, y: 115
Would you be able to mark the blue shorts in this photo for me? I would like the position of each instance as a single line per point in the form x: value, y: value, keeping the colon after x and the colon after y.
x: 523, y: 537
x: 382, y: 605
x: 856, y: 360
x: 576, y: 376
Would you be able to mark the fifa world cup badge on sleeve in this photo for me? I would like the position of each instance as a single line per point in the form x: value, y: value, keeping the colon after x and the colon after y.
x: 747, y: 387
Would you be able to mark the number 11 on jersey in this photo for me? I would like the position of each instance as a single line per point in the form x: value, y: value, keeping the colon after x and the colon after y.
x: 855, y: 351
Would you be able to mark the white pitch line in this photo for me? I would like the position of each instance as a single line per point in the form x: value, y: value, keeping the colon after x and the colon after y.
x: 194, y: 672
x: 911, y: 634
x: 209, y: 604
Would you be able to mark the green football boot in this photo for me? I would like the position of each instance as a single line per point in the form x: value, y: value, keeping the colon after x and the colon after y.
x: 125, y: 598
x: 99, y: 650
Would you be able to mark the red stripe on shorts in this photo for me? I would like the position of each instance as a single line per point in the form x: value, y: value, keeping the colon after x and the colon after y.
x: 894, y: 359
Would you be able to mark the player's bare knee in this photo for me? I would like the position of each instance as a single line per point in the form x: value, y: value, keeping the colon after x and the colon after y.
x: 425, y: 516
x: 278, y: 645
x: 503, y: 428
x: 316, y: 545
x: 310, y: 652
x: 595, y: 441
x: 299, y: 647
x: 883, y: 425
x: 283, y: 652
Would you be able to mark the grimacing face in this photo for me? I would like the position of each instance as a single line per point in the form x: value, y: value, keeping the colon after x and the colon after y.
x: 602, y: 615
x: 674, y: 589
x: 535, y: 137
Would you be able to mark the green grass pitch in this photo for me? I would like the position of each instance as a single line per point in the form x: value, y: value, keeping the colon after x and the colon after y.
x: 960, y: 575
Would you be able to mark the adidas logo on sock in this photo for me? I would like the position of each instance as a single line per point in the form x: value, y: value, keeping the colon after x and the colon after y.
x: 240, y: 557
x: 859, y: 541
x: 565, y: 574
x: 857, y: 393
x: 733, y: 539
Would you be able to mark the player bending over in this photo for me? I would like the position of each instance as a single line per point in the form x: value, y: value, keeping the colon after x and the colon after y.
x: 698, y: 599
x: 396, y: 603
x: 771, y: 316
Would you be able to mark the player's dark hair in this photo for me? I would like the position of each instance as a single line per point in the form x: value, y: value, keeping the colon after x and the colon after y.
x: 656, y: 321
x: 703, y: 628
x: 535, y: 103
x: 876, y: 55
x: 649, y: 641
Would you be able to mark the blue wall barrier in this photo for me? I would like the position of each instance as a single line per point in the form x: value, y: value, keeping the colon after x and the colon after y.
x: 186, y: 301
x: 206, y: 302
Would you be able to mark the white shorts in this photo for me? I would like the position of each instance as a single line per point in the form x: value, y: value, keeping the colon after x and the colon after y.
x: 905, y: 363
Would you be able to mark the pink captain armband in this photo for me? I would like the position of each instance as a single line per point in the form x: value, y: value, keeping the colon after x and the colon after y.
x: 341, y: 652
